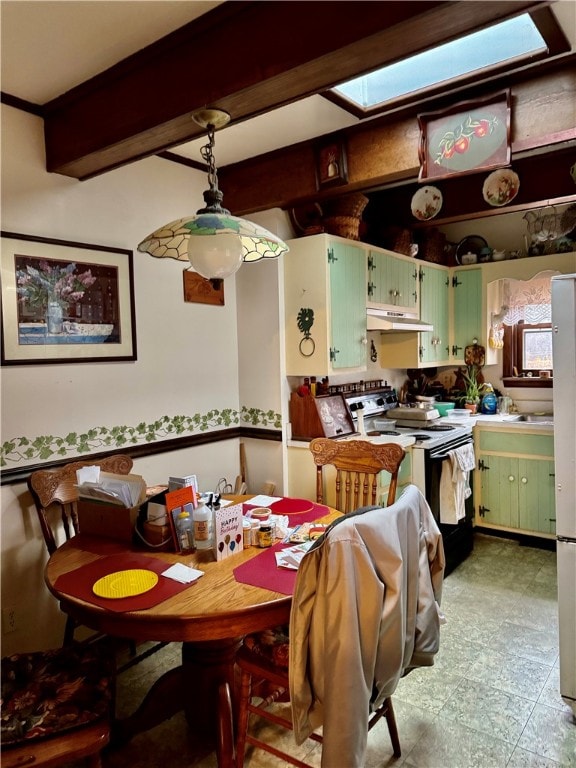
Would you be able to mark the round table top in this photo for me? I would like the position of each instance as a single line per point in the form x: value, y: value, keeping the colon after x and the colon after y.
x: 216, y: 607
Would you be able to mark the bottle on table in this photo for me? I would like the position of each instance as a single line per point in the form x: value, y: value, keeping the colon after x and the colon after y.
x: 203, y: 527
x: 185, y: 532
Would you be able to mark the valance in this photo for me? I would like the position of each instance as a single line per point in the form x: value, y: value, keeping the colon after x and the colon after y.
x: 527, y: 301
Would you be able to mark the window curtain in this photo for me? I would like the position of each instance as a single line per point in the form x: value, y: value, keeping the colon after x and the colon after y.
x: 527, y: 301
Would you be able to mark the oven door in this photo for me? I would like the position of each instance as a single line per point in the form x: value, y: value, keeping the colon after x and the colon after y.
x: 458, y: 539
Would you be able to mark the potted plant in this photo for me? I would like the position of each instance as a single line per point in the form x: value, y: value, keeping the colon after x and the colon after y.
x: 474, y: 388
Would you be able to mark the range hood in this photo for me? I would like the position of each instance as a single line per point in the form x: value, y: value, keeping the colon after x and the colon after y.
x: 389, y: 320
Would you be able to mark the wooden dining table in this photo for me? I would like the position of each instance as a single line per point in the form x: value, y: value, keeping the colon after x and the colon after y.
x: 210, y: 617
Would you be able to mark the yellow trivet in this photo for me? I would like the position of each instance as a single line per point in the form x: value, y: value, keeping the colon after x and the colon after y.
x: 125, y: 583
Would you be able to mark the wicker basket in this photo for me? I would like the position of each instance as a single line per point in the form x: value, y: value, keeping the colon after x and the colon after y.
x: 343, y: 226
x: 433, y: 247
x: 352, y: 204
x: 344, y: 214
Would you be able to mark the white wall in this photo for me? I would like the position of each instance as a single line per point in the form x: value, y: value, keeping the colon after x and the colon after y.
x: 187, y: 353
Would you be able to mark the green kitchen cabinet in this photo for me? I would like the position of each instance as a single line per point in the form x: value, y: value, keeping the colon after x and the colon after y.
x: 325, y: 306
x: 422, y: 349
x: 467, y: 310
x: 515, y: 477
x: 434, y: 291
x: 392, y: 282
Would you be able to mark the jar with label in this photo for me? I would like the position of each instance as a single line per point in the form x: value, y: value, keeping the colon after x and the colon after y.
x: 203, y: 527
x: 185, y: 532
x: 246, y: 533
x: 265, y: 535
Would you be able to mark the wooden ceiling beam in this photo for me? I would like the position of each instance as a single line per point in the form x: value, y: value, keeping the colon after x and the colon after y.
x: 382, y: 152
x: 245, y: 57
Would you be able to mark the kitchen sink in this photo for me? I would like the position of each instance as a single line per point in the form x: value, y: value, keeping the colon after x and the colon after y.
x: 538, y: 418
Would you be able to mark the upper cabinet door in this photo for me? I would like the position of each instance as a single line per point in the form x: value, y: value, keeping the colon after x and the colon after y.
x: 434, y: 345
x: 392, y: 282
x: 347, y: 305
x: 467, y: 322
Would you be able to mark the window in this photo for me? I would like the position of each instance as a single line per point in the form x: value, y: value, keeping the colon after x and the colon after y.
x: 524, y: 322
x: 527, y: 350
x: 502, y: 47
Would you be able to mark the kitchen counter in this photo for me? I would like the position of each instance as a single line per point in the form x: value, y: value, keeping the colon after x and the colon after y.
x: 498, y: 421
x: 404, y: 440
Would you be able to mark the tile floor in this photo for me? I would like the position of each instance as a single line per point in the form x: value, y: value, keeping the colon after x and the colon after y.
x: 490, y: 701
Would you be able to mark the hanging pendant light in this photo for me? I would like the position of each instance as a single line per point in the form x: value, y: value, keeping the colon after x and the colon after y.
x: 215, y: 242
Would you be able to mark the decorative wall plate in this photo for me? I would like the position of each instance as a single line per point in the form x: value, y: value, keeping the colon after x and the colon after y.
x: 426, y: 203
x: 501, y: 187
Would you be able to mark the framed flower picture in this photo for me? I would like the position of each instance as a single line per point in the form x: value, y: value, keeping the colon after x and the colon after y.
x: 470, y: 136
x: 65, y: 302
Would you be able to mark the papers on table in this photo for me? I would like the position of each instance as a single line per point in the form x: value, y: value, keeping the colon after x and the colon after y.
x: 123, y: 490
x: 182, y: 573
x: 292, y: 556
x: 262, y: 500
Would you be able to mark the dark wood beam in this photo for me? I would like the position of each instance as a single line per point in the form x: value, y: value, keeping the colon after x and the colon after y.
x: 245, y: 57
x: 382, y: 151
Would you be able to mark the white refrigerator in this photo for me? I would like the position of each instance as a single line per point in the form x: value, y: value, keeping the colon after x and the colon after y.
x: 564, y: 353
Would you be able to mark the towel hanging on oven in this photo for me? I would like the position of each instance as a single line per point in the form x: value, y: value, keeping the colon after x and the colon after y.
x: 455, y: 483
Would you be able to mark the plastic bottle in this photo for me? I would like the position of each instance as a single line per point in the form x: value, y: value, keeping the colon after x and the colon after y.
x: 185, y: 532
x: 203, y: 527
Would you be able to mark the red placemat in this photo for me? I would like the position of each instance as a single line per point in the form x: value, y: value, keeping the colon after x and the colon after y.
x: 262, y: 571
x: 296, y: 507
x: 79, y: 583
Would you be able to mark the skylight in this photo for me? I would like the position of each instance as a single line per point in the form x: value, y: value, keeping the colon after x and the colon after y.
x: 509, y: 41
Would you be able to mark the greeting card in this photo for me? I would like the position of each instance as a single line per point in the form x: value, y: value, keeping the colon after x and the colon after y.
x: 228, y: 531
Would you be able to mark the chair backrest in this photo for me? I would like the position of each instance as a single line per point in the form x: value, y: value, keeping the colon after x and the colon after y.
x: 358, y: 464
x: 55, y: 488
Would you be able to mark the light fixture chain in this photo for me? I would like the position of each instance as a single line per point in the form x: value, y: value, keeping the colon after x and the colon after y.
x: 209, y: 159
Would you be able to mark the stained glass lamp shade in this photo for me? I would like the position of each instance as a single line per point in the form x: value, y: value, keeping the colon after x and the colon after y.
x: 215, y: 242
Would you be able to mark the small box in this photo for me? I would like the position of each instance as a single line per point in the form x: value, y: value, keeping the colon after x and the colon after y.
x: 158, y: 537
x: 108, y: 520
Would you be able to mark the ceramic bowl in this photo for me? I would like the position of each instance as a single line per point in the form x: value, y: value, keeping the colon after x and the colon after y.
x: 444, y: 408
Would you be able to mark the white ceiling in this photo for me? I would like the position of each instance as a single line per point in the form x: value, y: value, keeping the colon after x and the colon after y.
x: 49, y: 46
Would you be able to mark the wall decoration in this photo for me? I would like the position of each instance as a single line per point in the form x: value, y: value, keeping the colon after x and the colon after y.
x: 500, y: 187
x: 22, y: 450
x: 201, y: 290
x: 305, y: 320
x: 470, y: 136
x: 65, y: 302
x: 331, y: 164
x: 426, y: 203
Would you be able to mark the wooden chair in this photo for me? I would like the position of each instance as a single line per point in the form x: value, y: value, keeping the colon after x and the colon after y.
x: 358, y: 464
x: 53, y: 491
x: 263, y: 657
x: 57, y: 706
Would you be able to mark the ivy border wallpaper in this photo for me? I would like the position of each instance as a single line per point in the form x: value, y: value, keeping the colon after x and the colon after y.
x: 22, y: 450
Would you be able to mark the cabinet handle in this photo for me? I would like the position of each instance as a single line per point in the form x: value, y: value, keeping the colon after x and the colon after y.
x: 511, y: 478
x: 524, y: 480
x: 482, y: 510
x: 455, y: 349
